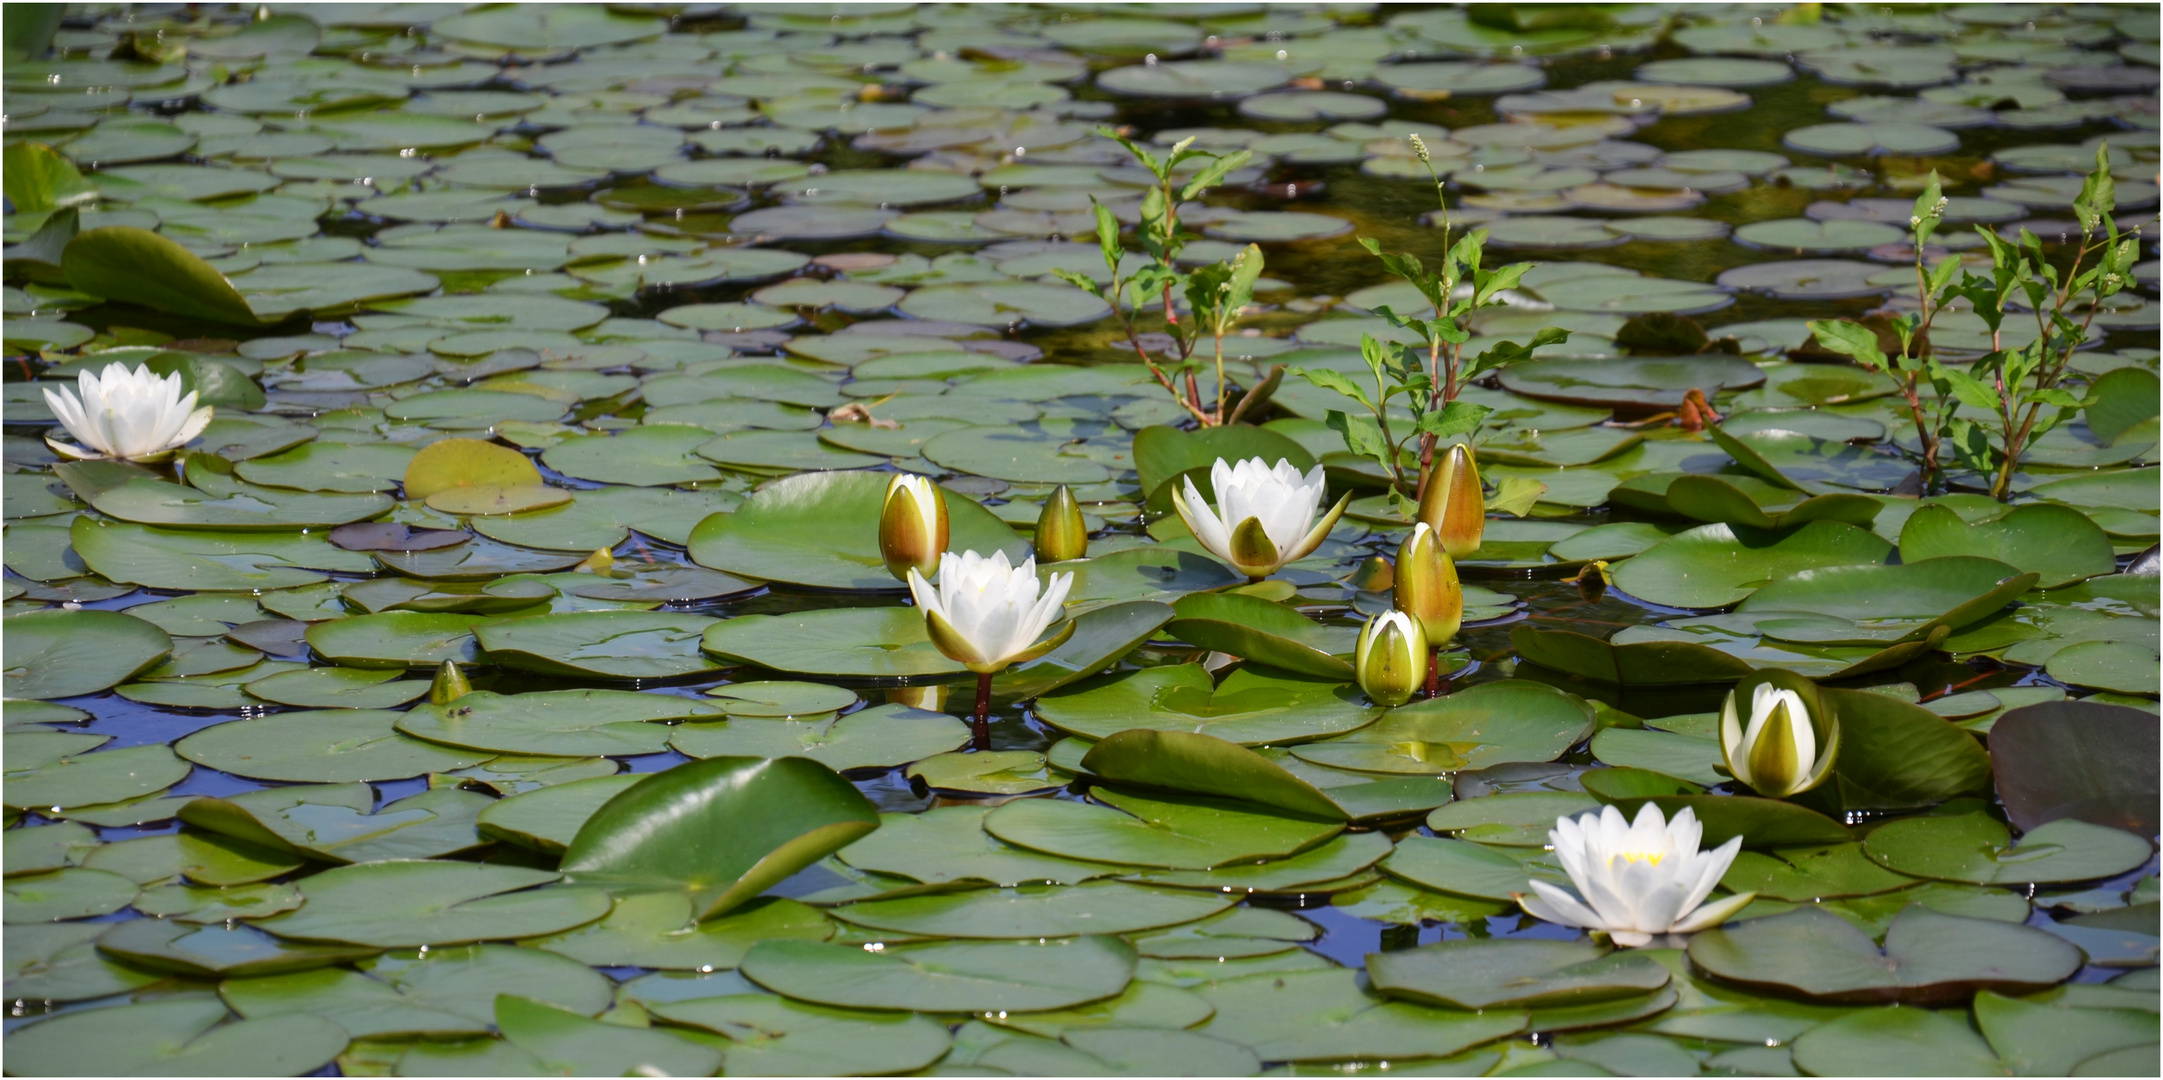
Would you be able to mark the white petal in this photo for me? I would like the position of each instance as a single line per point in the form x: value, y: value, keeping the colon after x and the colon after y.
x: 1714, y: 914
x: 1559, y: 907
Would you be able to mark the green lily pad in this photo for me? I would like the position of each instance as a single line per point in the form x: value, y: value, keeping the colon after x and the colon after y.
x: 2060, y: 544
x: 949, y: 844
x: 1329, y: 1016
x: 1975, y: 848
x: 408, y: 902
x: 130, y: 494
x: 1511, y: 819
x: 862, y: 642
x: 991, y: 772
x: 183, y: 1034
x: 657, y: 930
x: 1255, y: 629
x: 398, y: 639
x: 1484, y: 725
x: 70, y: 893
x: 821, y: 530
x: 602, y: 644
x: 337, y: 688
x: 200, y: 560
x: 339, y: 823
x: 1253, y: 706
x: 1472, y: 974
x: 1807, y: 874
x: 55, y: 654
x: 1716, y: 565
x: 1929, y: 957
x: 773, y: 1036
x: 218, y: 951
x: 805, y: 811
x: 62, y: 770
x: 565, y: 723
x: 1180, y: 832
x: 547, y: 819
x: 878, y: 737
x: 1637, y: 382
x: 328, y: 747
x: 1034, y: 911
x: 955, y: 977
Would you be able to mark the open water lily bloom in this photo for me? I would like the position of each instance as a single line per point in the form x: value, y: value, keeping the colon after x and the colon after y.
x: 1635, y: 880
x: 135, y: 415
x: 1264, y: 517
x: 986, y: 613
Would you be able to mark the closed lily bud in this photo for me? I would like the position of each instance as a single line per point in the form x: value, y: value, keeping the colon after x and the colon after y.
x: 1777, y: 735
x: 1060, y: 532
x: 1453, y: 505
x: 1391, y: 661
x: 1427, y: 586
x: 912, y: 526
x: 450, y: 685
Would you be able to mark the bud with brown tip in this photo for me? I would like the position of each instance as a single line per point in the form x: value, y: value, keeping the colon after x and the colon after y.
x: 1452, y: 504
x: 912, y: 526
x: 1427, y: 586
x: 1061, y: 534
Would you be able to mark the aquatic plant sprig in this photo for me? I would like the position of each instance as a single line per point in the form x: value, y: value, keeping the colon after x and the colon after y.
x: 1216, y: 295
x: 1429, y: 387
x: 2020, y: 389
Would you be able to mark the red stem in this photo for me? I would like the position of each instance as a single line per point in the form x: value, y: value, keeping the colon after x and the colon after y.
x: 983, y: 711
x: 1434, y: 672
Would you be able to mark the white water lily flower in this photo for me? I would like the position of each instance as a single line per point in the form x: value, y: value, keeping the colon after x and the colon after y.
x: 1635, y: 881
x: 1777, y: 753
x: 1264, y: 517
x: 985, y: 612
x: 135, y: 415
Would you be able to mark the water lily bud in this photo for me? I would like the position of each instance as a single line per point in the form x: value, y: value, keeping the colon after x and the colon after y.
x: 1427, y: 586
x: 1375, y: 574
x: 600, y: 562
x: 931, y: 697
x: 1060, y: 532
x: 1391, y: 661
x: 912, y: 526
x: 1777, y: 735
x: 450, y: 685
x: 1453, y: 505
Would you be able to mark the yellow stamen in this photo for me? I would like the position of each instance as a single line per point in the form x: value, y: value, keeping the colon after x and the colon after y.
x: 1652, y: 857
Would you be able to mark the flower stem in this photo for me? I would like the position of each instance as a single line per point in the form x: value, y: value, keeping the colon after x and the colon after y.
x: 1434, y: 671
x: 983, y: 711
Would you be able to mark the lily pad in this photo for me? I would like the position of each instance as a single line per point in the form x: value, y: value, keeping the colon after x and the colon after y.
x: 1174, y: 832
x: 1487, y: 724
x: 408, y: 902
x: 1034, y: 911
x: 328, y: 747
x: 55, y: 654
x: 879, y: 737
x: 694, y: 828
x: 1716, y: 565
x: 774, y: 1036
x: 821, y: 530
x: 1518, y: 973
x: 184, y: 1034
x: 1929, y: 957
x: 1975, y: 848
x: 603, y: 644
x: 956, y: 977
x: 565, y: 723
x: 1253, y: 706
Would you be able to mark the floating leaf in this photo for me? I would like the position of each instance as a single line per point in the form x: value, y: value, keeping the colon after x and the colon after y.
x: 723, y: 829
x: 1929, y: 957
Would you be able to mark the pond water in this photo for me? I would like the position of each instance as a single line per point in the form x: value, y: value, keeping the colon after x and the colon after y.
x: 575, y: 346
